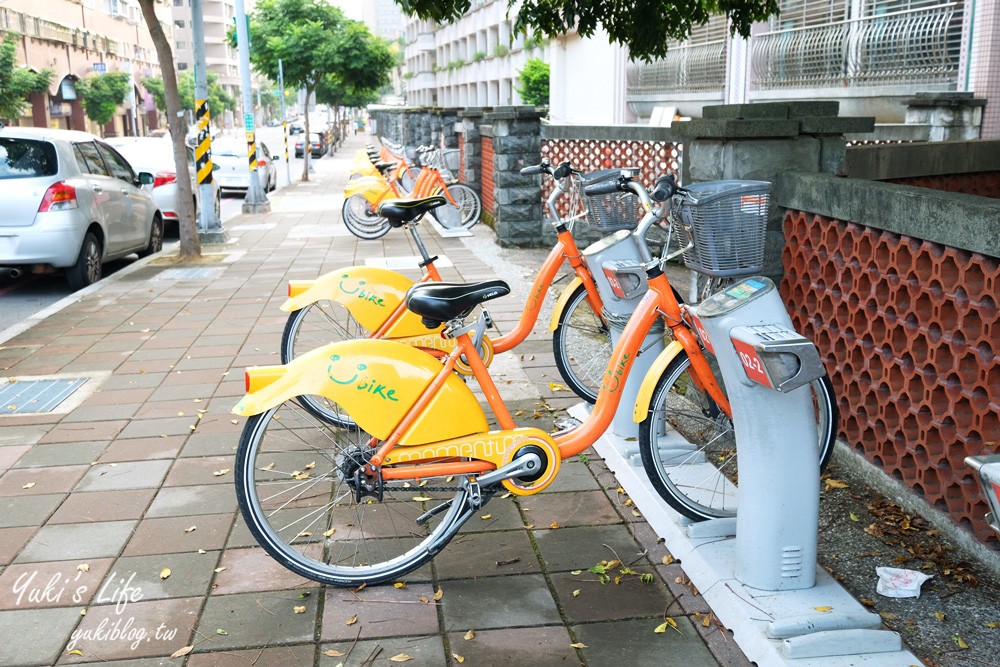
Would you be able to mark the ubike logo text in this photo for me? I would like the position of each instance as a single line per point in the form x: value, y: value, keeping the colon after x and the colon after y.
x: 360, y: 292
x: 359, y: 380
x: 613, y: 377
x: 490, y: 448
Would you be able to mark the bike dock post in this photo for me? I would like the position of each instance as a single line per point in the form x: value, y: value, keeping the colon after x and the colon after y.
x: 988, y: 473
x: 764, y: 584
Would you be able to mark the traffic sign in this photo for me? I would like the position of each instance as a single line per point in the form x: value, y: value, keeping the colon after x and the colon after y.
x: 248, y: 122
x: 100, y: 67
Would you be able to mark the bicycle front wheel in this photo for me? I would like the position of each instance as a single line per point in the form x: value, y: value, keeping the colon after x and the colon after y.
x: 297, y: 486
x: 361, y: 220
x: 688, y: 446
x: 582, y: 346
x: 465, y: 213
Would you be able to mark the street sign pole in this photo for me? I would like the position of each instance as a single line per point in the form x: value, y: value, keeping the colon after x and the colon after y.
x: 284, y: 118
x: 256, y: 200
x: 209, y: 225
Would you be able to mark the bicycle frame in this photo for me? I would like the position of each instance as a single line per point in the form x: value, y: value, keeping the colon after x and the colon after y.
x: 449, y: 453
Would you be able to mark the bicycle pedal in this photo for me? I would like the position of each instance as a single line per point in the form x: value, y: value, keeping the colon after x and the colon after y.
x: 565, y: 424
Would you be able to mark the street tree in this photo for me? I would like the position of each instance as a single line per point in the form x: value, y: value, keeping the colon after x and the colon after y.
x: 313, y: 40
x: 644, y: 26
x: 190, y: 245
x: 534, y: 86
x: 102, y: 94
x: 16, y: 83
x: 218, y: 99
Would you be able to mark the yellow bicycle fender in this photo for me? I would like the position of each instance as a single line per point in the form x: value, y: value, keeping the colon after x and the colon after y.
x: 562, y: 301
x: 375, y: 382
x: 370, y: 293
x: 371, y: 188
x: 365, y: 168
x: 648, y: 385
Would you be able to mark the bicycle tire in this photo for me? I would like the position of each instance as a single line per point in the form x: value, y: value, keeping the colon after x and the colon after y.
x: 690, y: 477
x: 466, y: 212
x: 581, y: 345
x: 294, y: 493
x: 312, y: 326
x: 361, y: 220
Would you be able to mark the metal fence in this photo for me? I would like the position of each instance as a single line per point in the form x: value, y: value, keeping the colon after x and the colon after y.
x: 695, y: 68
x: 912, y: 46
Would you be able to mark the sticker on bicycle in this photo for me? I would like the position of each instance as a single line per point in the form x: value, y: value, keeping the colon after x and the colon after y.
x: 745, y: 289
x: 753, y: 204
x: 613, y: 378
x: 752, y: 364
x: 616, y: 286
x: 702, y: 333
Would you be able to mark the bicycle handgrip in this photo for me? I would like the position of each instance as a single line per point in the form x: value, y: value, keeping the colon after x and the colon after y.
x: 533, y: 170
x: 562, y: 171
x: 603, y: 188
x: 664, y: 188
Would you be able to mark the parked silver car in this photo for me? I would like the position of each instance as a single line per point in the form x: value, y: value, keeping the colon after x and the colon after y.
x: 70, y: 201
x: 233, y: 173
x: 157, y: 157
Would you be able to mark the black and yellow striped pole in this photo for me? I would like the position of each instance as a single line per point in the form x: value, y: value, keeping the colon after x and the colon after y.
x: 203, y: 150
x: 284, y: 127
x: 252, y: 152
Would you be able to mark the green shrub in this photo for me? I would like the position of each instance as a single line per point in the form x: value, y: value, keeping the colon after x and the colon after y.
x: 534, y: 84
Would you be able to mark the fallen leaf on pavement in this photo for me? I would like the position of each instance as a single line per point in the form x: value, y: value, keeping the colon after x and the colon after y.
x: 824, y: 609
x: 939, y: 616
x: 299, y: 610
x: 667, y: 623
x: 471, y: 634
x: 352, y: 620
x: 458, y: 658
x: 333, y: 654
x: 400, y: 657
x: 220, y: 473
x: 576, y: 593
x: 831, y: 484
x: 28, y: 486
x: 438, y: 595
x: 164, y: 573
x: 181, y: 652
x: 191, y: 529
x: 399, y: 584
x: 578, y: 645
x: 83, y: 567
x: 960, y: 643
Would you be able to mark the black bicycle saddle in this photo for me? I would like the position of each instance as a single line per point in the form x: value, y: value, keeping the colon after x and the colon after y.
x: 441, y: 302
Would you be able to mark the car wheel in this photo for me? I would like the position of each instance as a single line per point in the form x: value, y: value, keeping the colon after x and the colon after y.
x: 87, y: 269
x: 218, y: 205
x: 155, y: 238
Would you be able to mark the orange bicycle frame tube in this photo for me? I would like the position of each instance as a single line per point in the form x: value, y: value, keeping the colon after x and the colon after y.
x: 432, y: 275
x: 564, y: 249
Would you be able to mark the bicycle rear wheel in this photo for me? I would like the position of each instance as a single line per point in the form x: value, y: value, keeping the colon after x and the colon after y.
x: 297, y: 492
x: 688, y: 446
x: 361, y: 220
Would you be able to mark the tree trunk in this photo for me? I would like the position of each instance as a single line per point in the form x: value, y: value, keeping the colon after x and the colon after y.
x: 177, y: 122
x: 306, y: 153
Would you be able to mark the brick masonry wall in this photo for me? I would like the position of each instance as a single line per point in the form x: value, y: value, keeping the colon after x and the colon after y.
x: 910, y: 334
x: 487, y: 175
x: 984, y: 184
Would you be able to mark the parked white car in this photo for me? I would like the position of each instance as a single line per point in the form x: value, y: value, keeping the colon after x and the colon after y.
x: 233, y: 173
x: 70, y: 201
x: 157, y: 157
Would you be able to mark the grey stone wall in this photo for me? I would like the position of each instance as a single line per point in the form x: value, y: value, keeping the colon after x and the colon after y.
x: 472, y: 151
x: 760, y: 141
x: 517, y: 143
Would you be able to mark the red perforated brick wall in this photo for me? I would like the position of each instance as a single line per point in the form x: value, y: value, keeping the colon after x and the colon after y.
x: 984, y: 184
x: 910, y: 334
x: 487, y: 174
x: 654, y: 158
x: 461, y: 158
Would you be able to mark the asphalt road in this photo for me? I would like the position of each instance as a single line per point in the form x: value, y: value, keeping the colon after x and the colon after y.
x: 25, y: 295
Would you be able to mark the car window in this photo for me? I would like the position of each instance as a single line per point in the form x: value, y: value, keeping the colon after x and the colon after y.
x: 229, y: 149
x: 26, y: 158
x: 119, y: 167
x: 95, y: 164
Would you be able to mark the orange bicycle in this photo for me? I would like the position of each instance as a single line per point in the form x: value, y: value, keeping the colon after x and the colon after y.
x: 372, y: 502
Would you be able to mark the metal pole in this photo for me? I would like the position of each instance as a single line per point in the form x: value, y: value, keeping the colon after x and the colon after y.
x: 256, y: 200
x: 284, y: 118
x: 208, y: 218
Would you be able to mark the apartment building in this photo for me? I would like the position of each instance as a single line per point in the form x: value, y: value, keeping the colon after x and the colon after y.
x: 471, y: 62
x: 220, y: 58
x: 75, y: 38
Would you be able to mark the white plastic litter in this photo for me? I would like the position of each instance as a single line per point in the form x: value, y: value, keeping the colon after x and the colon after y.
x: 894, y: 582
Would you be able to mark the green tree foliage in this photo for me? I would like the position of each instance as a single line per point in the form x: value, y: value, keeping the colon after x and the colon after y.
x: 644, y: 26
x: 16, y: 83
x: 315, y: 41
x: 218, y: 99
x: 534, y: 87
x: 102, y: 93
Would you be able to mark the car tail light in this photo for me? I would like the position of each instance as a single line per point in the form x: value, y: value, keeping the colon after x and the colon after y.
x: 59, y: 197
x: 261, y: 162
x: 164, y: 178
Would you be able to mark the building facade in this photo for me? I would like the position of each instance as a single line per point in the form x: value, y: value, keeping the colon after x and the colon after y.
x: 220, y: 58
x: 76, y: 38
x: 471, y: 62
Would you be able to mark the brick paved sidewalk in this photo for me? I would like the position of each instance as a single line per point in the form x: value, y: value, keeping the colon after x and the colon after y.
x: 96, y: 501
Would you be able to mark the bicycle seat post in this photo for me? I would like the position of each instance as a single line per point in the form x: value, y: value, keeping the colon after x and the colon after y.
x: 425, y: 257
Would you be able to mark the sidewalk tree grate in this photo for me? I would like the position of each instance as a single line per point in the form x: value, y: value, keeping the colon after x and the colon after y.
x: 20, y: 396
x: 201, y: 273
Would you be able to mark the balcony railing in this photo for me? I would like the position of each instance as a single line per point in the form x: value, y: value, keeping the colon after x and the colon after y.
x: 695, y: 68
x: 914, y: 46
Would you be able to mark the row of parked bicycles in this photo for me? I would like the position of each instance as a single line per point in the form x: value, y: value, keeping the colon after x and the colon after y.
x: 367, y: 450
